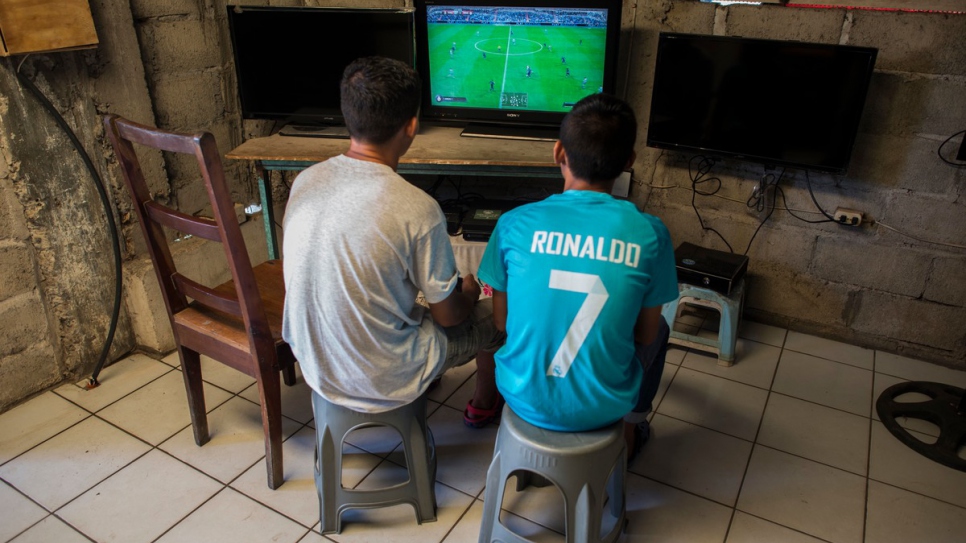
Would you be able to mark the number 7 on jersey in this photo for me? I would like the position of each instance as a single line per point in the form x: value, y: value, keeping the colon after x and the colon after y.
x: 593, y: 287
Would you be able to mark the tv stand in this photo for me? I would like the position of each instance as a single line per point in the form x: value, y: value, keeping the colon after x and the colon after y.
x: 438, y: 150
x: 314, y: 131
x: 508, y: 132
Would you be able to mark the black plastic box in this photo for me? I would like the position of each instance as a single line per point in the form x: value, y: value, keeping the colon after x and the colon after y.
x: 709, y: 268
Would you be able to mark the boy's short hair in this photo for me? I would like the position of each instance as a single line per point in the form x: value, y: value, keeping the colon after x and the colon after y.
x: 598, y: 136
x: 378, y: 97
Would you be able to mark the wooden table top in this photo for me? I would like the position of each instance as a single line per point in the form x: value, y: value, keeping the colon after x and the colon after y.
x: 435, y: 145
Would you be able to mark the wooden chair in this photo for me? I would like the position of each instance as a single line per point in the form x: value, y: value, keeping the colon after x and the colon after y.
x: 237, y: 323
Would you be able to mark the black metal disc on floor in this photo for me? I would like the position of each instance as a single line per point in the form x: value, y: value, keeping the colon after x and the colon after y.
x: 946, y: 408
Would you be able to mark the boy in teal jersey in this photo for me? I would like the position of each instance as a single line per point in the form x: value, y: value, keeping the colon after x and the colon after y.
x: 579, y: 280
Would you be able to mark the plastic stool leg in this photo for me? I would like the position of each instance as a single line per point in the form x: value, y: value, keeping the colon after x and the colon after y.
x: 328, y: 468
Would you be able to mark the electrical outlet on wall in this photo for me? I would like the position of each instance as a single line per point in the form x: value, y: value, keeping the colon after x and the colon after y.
x: 848, y: 217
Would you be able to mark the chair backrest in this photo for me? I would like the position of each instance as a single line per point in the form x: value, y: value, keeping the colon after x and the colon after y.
x: 245, y: 303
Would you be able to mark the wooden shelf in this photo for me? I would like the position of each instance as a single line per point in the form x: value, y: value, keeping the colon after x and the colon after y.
x: 436, y: 148
x: 35, y: 26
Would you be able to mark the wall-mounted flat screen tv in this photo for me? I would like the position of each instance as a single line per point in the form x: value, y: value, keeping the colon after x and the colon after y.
x: 774, y: 102
x: 514, y: 68
x: 289, y: 60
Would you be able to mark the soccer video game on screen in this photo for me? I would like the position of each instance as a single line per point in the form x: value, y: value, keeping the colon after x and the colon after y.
x: 540, y: 59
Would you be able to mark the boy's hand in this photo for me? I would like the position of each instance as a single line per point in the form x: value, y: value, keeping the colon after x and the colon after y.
x: 471, y: 287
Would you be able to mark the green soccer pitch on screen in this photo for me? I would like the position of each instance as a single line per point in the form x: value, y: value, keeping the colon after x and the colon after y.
x: 514, y: 62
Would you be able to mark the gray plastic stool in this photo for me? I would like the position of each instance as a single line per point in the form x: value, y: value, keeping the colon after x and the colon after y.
x: 334, y: 422
x: 579, y: 464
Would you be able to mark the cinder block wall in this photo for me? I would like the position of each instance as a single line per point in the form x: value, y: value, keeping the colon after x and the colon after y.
x: 168, y: 63
x: 872, y: 285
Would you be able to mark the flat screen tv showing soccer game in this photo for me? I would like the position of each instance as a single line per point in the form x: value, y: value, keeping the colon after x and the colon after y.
x: 289, y: 60
x: 505, y: 67
x: 779, y: 103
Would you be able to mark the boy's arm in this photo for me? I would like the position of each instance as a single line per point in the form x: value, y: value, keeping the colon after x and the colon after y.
x: 458, y: 305
x: 647, y: 326
x: 499, y: 310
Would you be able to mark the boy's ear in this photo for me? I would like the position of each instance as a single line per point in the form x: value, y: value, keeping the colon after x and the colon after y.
x: 559, y: 154
x: 412, y: 127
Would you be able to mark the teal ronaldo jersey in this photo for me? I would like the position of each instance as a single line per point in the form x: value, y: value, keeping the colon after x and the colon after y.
x: 577, y: 269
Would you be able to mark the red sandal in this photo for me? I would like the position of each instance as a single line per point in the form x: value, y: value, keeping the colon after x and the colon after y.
x: 474, y: 417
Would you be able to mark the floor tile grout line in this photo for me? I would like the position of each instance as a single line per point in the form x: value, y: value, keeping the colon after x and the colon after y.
x: 826, y: 359
x: 116, y: 400
x: 796, y: 530
x: 39, y: 443
x: 761, y: 422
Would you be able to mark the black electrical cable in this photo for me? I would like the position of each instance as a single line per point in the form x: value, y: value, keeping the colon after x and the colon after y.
x: 760, y: 201
x: 940, y: 150
x: 788, y: 209
x: 808, y: 181
x: 112, y: 227
x: 704, y: 167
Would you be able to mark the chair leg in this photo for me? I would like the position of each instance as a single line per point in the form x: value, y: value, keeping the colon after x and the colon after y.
x: 194, y: 387
x: 270, y: 398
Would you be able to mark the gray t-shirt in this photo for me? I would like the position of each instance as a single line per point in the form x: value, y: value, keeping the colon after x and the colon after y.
x: 360, y: 243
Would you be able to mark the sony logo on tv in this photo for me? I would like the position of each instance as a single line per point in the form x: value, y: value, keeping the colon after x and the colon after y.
x: 512, y: 115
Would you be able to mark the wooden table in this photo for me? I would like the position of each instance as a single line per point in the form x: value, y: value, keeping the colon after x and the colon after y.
x: 436, y: 150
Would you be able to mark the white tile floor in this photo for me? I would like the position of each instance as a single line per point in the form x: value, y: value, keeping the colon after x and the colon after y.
x: 784, y: 446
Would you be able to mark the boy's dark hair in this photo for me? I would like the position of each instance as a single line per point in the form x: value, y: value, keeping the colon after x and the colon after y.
x: 598, y: 136
x: 379, y: 96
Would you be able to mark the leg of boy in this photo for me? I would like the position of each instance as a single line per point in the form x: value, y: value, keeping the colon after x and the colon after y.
x: 651, y: 357
x: 477, y: 337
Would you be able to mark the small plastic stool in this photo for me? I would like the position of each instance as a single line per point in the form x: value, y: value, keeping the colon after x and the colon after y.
x: 579, y: 464
x: 334, y: 422
x: 728, y: 305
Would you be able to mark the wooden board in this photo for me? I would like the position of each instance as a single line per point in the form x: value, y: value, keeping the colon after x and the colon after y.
x: 435, y: 145
x: 32, y: 26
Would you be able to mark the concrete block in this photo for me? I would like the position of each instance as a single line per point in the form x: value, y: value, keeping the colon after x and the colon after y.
x: 26, y: 372
x: 901, y: 162
x: 921, y: 322
x: 144, y: 9
x: 651, y: 19
x: 201, y: 260
x: 786, y: 247
x: 946, y: 284
x: 188, y: 101
x: 12, y: 223
x: 926, y: 217
x: 16, y: 269
x: 799, y: 297
x: 781, y: 23
x: 907, y: 104
x: 852, y: 261
x: 930, y: 43
x: 23, y: 320
x: 197, y: 44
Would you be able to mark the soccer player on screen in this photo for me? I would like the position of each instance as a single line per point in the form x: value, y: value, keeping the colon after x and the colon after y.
x: 491, y: 85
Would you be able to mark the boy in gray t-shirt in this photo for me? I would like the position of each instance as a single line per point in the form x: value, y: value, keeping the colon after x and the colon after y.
x: 360, y: 244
